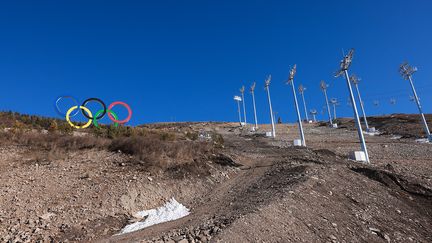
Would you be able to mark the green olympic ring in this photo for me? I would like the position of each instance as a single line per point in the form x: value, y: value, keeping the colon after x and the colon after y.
x: 95, y: 122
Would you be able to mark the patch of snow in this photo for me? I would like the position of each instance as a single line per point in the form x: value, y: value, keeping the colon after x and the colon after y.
x: 422, y: 140
x: 171, y: 210
x: 396, y: 137
x: 372, y: 133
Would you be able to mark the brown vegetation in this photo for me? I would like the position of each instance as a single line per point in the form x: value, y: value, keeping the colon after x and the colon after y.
x: 149, y: 148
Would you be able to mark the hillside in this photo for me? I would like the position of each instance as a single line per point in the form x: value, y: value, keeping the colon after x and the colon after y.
x: 239, y: 187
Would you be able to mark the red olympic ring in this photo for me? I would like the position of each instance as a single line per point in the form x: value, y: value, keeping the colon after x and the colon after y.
x: 123, y: 104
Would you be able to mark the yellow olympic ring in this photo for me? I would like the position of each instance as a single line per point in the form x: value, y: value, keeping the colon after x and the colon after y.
x: 82, y: 108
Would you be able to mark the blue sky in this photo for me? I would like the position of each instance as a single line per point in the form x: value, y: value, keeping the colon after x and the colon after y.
x: 185, y: 60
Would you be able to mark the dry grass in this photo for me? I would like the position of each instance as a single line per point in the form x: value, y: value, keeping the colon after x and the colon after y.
x: 52, y: 141
x: 166, y: 148
x: 150, y: 151
x: 154, y: 152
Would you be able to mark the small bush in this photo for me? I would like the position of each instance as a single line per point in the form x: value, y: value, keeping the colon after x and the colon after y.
x: 218, y: 139
x: 65, y: 128
x: 165, y: 136
x: 53, y: 127
x: 192, y: 135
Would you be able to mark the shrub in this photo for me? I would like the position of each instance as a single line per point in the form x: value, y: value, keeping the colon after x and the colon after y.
x: 192, y: 135
x: 53, y: 127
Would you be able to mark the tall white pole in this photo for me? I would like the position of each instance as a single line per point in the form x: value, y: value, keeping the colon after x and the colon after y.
x: 407, y: 71
x: 274, y: 117
x: 361, y: 106
x: 254, y: 106
x: 344, y: 66
x: 355, y: 80
x: 267, y: 84
x: 242, y: 90
x: 239, y: 114
x: 305, y: 109
x: 328, y: 107
x: 334, y: 111
x: 314, y: 117
x: 300, y: 123
x: 302, y: 89
x: 425, y: 125
x: 356, y: 117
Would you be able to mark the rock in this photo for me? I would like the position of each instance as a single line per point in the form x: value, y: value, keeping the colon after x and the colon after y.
x: 387, y: 238
x: 178, y: 238
x: 375, y: 230
x: 183, y: 241
x: 202, y: 238
x: 149, y: 178
x: 47, y: 216
x: 215, y: 229
x: 85, y: 176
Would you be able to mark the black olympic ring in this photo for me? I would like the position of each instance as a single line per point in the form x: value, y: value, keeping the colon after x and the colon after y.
x: 100, y: 102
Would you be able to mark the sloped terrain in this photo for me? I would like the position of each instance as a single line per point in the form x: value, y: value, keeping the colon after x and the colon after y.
x: 239, y: 187
x: 287, y: 194
x: 405, y: 125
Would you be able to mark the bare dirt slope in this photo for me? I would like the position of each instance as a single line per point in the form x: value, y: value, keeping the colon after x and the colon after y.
x: 287, y: 194
x: 405, y: 125
x: 253, y: 189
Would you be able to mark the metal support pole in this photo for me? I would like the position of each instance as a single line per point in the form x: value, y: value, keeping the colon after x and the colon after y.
x: 314, y: 118
x: 255, y: 114
x: 356, y: 118
x: 244, y: 108
x: 274, y: 116
x: 328, y: 107
x: 239, y: 113
x: 425, y: 125
x: 298, y: 114
x: 362, y: 107
x: 271, y: 113
x: 334, y: 111
x: 304, y: 105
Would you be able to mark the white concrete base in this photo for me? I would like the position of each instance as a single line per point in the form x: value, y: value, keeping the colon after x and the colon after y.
x: 310, y: 121
x: 371, y: 130
x: 243, y: 124
x: 252, y: 129
x: 357, y: 156
x: 334, y: 125
x: 269, y: 134
x: 298, y: 142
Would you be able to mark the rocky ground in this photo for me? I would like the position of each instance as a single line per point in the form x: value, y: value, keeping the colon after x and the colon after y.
x: 259, y: 190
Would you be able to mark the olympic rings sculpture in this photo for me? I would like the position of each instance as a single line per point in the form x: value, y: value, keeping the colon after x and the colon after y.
x: 74, y: 110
